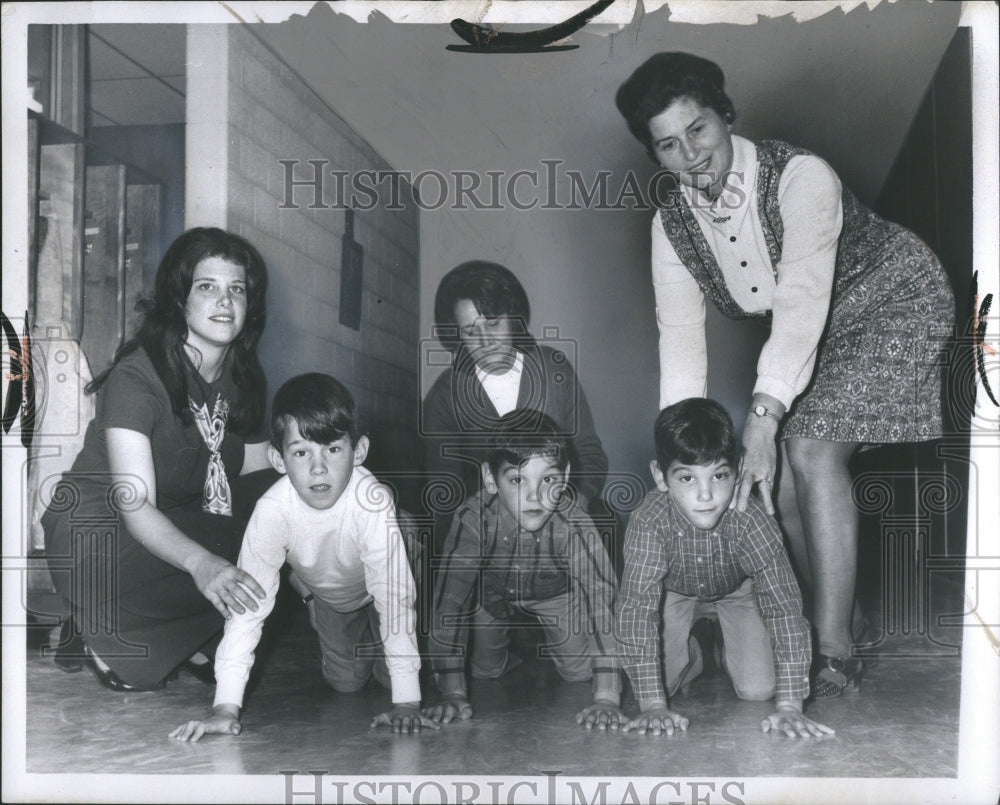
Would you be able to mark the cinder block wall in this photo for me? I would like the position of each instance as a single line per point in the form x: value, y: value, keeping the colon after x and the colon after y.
x: 272, y: 116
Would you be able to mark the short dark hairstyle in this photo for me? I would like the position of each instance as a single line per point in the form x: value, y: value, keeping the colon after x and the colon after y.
x: 695, y: 431
x: 321, y: 406
x: 664, y: 78
x: 491, y: 287
x: 525, y: 433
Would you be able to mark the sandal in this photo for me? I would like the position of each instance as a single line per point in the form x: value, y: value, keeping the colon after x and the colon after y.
x: 831, y: 675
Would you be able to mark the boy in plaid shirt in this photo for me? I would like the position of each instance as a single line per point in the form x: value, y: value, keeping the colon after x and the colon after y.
x: 522, y: 546
x: 687, y: 549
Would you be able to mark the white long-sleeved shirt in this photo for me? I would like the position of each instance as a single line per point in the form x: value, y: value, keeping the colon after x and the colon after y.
x: 809, y: 198
x: 347, y: 556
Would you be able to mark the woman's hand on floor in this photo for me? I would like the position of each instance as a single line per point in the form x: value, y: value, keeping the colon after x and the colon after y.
x: 225, y: 720
x: 224, y: 584
x: 657, y: 720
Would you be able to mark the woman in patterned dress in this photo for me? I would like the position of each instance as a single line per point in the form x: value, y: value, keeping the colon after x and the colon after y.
x: 857, y: 308
x: 142, y: 533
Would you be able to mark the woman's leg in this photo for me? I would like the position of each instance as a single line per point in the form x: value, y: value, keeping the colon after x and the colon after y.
x: 830, y: 520
x: 787, y: 505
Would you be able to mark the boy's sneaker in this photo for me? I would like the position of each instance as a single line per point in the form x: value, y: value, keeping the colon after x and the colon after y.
x: 704, y: 632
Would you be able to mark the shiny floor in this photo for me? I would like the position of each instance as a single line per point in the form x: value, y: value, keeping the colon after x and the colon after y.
x: 524, y: 724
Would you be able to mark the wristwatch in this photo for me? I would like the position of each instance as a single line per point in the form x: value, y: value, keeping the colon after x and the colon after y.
x: 763, y: 410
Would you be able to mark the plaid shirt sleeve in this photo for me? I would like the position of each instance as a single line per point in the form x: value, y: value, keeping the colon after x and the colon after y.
x: 454, y: 583
x: 763, y: 558
x: 594, y: 578
x: 638, y: 610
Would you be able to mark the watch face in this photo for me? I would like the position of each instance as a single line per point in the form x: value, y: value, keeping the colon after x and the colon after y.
x: 760, y: 410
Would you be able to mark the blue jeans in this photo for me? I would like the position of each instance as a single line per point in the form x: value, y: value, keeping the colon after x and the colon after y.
x: 747, y: 654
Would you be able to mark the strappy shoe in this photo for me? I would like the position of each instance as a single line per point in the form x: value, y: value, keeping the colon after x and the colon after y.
x: 831, y: 675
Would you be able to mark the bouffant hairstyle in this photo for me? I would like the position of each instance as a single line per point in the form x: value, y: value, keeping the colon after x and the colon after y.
x: 663, y: 79
x: 491, y: 287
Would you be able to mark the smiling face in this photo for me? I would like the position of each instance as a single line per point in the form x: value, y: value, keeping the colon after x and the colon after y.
x: 531, y: 491
x: 318, y: 472
x: 701, y: 492
x: 216, y: 307
x: 489, y: 340
x: 694, y: 142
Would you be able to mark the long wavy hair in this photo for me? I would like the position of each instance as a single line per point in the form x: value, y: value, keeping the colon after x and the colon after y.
x: 164, y: 328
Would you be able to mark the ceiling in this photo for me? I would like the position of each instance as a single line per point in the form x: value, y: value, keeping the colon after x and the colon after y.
x: 137, y: 74
x: 804, y: 81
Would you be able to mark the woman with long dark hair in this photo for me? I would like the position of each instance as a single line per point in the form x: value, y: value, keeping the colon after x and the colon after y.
x: 143, y: 532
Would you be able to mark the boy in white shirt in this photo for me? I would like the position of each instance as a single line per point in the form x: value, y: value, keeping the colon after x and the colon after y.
x: 332, y: 521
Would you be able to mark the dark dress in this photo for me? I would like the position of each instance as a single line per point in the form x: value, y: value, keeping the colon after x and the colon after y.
x: 877, y: 377
x: 139, y: 614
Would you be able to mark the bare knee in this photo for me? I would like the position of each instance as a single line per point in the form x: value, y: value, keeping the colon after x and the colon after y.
x: 813, y: 459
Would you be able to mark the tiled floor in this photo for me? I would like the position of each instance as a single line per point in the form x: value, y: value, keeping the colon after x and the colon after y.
x: 524, y: 724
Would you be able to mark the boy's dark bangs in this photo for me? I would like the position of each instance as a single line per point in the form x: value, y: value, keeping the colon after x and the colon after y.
x: 521, y: 452
x: 322, y: 432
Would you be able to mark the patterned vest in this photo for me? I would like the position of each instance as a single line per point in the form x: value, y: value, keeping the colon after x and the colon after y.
x: 863, y: 234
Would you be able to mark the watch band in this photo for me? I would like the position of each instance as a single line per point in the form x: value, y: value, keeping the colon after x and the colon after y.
x: 763, y: 410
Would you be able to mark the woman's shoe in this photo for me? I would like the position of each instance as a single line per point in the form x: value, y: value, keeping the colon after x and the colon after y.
x: 70, y: 650
x: 202, y: 671
x: 112, y: 681
x: 831, y: 675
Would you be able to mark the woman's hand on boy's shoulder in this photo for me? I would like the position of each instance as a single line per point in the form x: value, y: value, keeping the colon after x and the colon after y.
x: 450, y: 708
x: 657, y: 720
x: 404, y: 718
x: 602, y: 715
x: 225, y: 720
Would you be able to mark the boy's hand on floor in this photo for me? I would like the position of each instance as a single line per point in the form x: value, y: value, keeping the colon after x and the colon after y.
x: 657, y: 720
x: 224, y: 720
x: 792, y: 722
x: 602, y: 715
x: 404, y: 718
x: 449, y: 709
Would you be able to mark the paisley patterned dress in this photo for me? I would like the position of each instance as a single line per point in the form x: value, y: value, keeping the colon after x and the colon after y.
x: 877, y: 377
